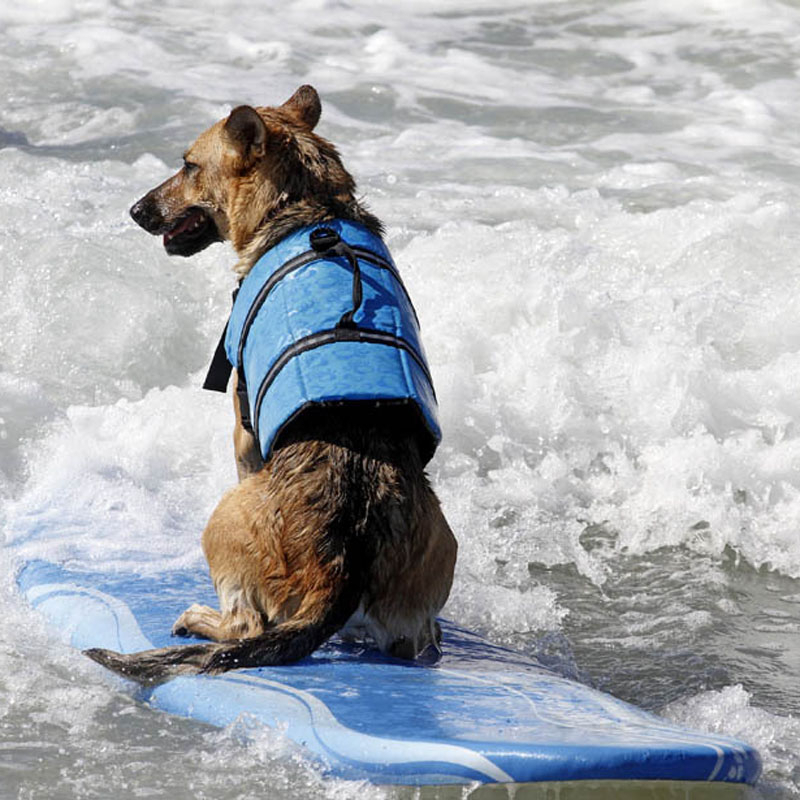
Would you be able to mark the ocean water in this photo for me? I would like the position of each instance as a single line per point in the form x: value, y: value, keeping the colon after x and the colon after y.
x: 595, y: 207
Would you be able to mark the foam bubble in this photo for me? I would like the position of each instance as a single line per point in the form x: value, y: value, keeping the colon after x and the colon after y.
x: 46, y: 11
x: 618, y: 395
x: 729, y: 711
x: 128, y: 486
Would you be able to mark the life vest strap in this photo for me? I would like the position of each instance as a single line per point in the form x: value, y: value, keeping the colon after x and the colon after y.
x: 327, y: 242
x: 341, y: 333
x: 219, y: 370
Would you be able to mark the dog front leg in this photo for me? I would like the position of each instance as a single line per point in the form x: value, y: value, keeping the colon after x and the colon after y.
x: 245, y: 446
x: 238, y: 623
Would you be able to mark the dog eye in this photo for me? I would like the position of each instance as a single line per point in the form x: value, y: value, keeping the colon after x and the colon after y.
x: 190, y: 166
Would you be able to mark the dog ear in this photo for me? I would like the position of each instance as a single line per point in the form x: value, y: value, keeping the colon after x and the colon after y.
x: 247, y: 133
x: 304, y: 105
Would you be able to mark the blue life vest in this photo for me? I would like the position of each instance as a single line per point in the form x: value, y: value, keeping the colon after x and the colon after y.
x: 324, y: 319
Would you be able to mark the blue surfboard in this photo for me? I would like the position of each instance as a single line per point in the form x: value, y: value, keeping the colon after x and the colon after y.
x: 480, y: 714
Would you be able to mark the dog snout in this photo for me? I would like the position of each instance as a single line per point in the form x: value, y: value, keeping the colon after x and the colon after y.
x: 145, y: 213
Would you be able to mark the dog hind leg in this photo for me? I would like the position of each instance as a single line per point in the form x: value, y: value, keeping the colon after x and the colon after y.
x: 235, y: 620
x: 241, y: 578
x: 401, y: 615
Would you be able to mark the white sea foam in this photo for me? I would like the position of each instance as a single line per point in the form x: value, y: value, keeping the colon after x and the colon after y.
x: 730, y: 711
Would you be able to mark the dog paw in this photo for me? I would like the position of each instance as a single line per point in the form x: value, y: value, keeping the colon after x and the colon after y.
x: 183, y: 625
x: 403, y: 648
x: 197, y: 620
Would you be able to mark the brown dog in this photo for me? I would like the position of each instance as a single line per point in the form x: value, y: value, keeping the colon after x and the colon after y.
x: 338, y: 527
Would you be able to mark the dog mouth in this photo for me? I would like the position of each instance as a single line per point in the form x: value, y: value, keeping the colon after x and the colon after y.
x: 193, y: 232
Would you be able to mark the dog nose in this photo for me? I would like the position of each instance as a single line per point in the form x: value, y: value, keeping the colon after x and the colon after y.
x: 146, y: 213
x: 137, y: 211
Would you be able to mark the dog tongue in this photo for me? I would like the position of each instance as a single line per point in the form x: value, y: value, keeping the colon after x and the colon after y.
x: 183, y: 226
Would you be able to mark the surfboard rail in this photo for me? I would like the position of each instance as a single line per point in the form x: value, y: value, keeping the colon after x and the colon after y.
x: 482, y: 715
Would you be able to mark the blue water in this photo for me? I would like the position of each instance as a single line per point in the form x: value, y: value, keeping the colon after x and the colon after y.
x: 594, y: 208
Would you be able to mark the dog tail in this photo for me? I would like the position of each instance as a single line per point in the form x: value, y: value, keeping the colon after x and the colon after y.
x: 282, y: 644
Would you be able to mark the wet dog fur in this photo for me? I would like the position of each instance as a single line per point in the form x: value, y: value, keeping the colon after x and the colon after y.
x: 339, y: 530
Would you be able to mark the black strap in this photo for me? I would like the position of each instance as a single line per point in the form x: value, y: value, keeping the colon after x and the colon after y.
x: 219, y: 370
x: 346, y: 320
x: 244, y: 401
x: 219, y: 373
x: 327, y: 242
x: 341, y: 333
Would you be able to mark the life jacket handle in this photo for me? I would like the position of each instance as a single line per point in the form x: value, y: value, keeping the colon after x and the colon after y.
x: 327, y: 242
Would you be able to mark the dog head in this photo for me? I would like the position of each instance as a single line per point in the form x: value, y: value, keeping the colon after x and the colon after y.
x: 244, y: 172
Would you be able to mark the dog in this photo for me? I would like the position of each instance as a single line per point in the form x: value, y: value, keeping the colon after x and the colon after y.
x: 333, y: 525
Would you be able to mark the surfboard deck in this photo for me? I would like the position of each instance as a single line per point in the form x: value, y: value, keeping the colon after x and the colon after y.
x: 481, y: 714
